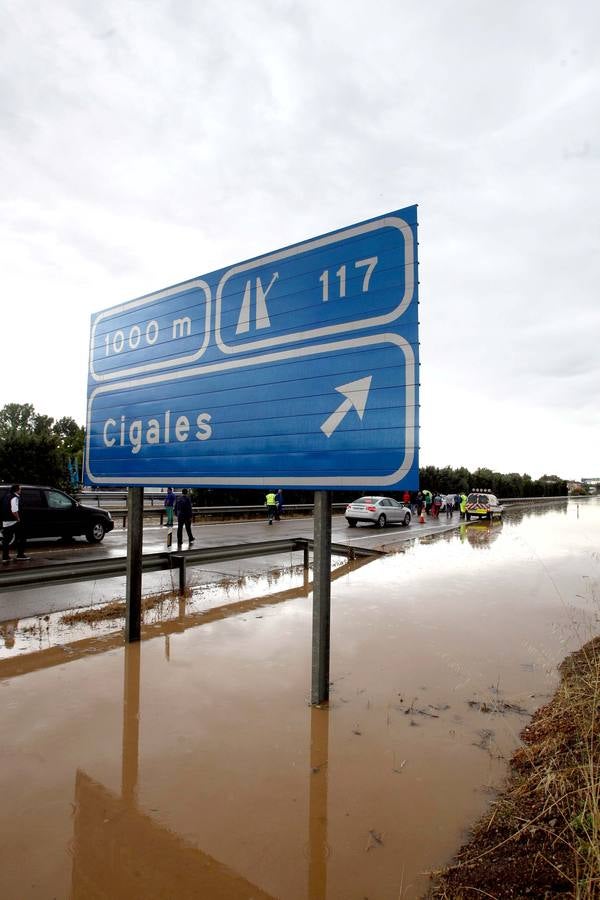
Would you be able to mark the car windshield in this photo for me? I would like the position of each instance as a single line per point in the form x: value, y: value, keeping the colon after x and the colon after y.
x: 481, y: 499
x: 365, y: 500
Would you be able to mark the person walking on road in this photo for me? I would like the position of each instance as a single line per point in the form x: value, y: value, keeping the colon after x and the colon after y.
x: 436, y: 506
x: 12, y: 526
x: 279, y: 504
x: 169, y: 504
x: 183, y: 510
x: 449, y: 505
x: 419, y: 503
x: 463, y: 505
x: 428, y: 497
x: 271, y: 504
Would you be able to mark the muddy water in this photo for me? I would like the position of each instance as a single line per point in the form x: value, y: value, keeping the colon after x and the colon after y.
x: 192, y: 765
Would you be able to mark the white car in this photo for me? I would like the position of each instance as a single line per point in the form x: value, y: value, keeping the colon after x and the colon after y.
x: 381, y: 511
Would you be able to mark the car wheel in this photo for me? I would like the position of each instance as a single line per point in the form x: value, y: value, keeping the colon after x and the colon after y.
x: 406, y: 520
x: 381, y: 521
x: 351, y: 523
x: 96, y: 533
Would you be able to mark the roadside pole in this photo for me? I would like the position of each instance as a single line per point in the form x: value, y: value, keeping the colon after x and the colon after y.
x: 317, y: 815
x: 131, y: 723
x: 133, y: 612
x: 321, y: 598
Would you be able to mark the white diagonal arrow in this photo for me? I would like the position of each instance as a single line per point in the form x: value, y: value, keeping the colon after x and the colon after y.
x: 356, y: 393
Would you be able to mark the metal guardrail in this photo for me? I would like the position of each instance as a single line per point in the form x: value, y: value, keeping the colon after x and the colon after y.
x: 236, y: 512
x: 99, y: 496
x: 159, y: 497
x: 34, y: 576
x: 224, y: 512
x: 513, y: 500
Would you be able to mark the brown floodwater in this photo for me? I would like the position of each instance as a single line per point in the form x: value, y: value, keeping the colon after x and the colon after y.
x: 192, y: 766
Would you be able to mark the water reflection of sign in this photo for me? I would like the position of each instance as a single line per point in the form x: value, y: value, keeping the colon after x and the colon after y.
x: 144, y: 859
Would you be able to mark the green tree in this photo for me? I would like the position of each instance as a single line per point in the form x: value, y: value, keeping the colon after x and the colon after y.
x: 34, y: 448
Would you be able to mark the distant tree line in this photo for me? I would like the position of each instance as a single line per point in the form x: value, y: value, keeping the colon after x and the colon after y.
x: 36, y: 449
x: 445, y: 481
x: 449, y: 481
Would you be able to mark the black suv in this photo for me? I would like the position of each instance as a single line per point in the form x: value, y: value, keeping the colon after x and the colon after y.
x: 47, y: 512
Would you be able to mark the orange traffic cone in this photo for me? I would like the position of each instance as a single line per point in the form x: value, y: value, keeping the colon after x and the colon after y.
x: 421, y: 519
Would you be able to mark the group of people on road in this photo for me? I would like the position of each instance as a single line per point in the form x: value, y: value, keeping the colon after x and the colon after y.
x: 180, y: 506
x: 12, y: 525
x: 432, y: 503
x: 274, y: 504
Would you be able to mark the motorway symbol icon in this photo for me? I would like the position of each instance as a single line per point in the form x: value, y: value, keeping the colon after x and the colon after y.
x: 262, y: 314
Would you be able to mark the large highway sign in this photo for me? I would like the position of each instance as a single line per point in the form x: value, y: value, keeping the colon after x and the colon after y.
x: 297, y: 368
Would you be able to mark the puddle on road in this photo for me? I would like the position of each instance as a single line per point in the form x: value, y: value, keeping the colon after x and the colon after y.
x: 192, y: 766
x: 62, y: 629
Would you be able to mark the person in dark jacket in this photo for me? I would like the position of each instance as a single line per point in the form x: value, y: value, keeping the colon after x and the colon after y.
x: 183, y: 511
x: 169, y: 504
x: 279, y: 502
x: 12, y: 526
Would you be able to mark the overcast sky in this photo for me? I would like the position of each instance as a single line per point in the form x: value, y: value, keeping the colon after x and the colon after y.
x: 144, y: 143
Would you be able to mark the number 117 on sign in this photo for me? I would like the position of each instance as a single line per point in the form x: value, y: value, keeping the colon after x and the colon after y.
x: 367, y: 264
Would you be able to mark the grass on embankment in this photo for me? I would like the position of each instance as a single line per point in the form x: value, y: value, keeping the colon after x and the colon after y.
x: 541, y: 838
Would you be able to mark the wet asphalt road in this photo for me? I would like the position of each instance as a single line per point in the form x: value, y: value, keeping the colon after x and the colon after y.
x: 42, y: 600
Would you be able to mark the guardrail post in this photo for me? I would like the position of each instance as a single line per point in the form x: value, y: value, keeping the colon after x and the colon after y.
x: 133, y: 611
x: 321, y: 598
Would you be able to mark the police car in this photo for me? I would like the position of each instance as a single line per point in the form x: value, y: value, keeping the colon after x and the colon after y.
x: 483, y: 505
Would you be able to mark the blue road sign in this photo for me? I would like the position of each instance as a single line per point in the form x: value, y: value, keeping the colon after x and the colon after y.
x: 298, y: 368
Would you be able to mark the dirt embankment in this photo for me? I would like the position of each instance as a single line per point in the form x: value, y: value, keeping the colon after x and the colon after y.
x: 541, y: 838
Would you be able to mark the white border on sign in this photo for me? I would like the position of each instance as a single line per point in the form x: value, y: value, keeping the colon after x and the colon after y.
x: 143, y: 301
x: 268, y: 479
x: 341, y: 328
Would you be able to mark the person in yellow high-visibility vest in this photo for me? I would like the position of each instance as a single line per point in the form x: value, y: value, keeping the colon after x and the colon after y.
x: 463, y: 505
x: 271, y: 504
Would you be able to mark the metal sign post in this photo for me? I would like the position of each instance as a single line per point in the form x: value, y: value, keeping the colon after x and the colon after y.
x: 135, y: 532
x: 321, y: 598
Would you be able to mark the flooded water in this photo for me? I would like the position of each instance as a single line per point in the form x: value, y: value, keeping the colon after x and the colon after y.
x: 192, y: 765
